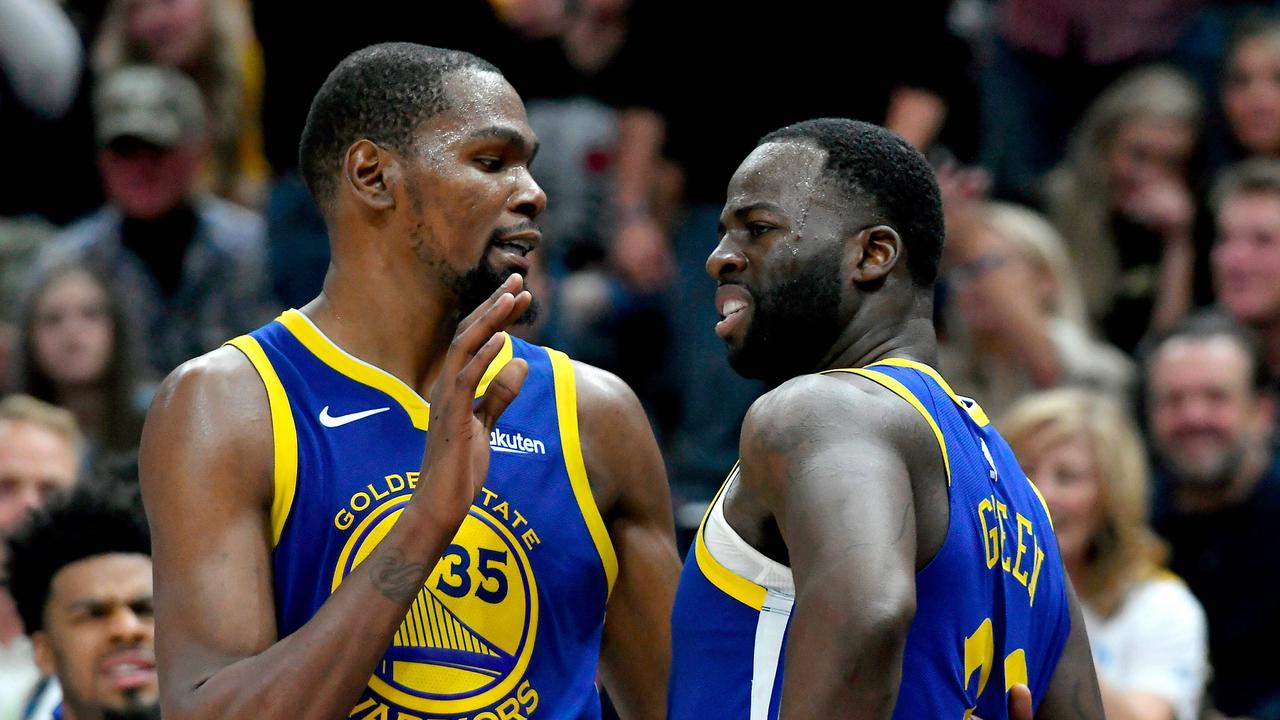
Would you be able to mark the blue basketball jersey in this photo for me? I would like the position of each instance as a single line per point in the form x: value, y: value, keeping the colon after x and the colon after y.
x: 991, y: 607
x: 508, y: 624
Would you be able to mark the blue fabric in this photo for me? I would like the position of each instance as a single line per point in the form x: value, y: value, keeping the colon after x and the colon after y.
x: 957, y: 593
x: 511, y: 618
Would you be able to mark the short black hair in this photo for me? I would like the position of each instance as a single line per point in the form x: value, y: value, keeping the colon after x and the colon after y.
x: 87, y: 523
x: 877, y: 166
x: 1207, y: 325
x: 382, y: 93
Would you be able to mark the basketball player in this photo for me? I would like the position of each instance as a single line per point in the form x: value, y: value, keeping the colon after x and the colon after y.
x: 876, y: 552
x: 310, y: 560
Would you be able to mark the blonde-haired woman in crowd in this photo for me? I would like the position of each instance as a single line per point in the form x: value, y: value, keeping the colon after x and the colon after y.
x: 1017, y: 323
x: 213, y: 42
x: 1146, y: 630
x: 1124, y: 203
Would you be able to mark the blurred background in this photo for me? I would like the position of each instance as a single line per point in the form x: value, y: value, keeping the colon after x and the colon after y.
x: 1111, y: 288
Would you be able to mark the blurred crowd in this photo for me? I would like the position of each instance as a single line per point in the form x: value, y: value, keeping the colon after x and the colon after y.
x: 1111, y: 289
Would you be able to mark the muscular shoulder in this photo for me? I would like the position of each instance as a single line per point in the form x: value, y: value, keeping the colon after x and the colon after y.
x: 814, y: 408
x: 618, y: 446
x: 210, y: 413
x: 829, y: 414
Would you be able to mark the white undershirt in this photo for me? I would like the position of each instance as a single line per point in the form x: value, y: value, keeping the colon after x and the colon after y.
x: 738, y: 556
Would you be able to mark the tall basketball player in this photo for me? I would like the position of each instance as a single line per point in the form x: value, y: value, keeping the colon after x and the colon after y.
x: 310, y: 560
x: 877, y: 552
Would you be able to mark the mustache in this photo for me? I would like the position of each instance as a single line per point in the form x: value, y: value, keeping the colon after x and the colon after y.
x: 500, y: 233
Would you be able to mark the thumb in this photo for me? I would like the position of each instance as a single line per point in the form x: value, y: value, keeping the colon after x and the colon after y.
x: 501, y: 392
x: 1020, y: 702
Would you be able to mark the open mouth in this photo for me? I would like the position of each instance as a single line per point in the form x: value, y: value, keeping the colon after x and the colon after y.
x: 732, y: 302
x: 129, y: 671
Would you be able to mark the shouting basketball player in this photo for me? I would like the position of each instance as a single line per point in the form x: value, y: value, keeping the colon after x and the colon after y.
x: 876, y: 552
x: 310, y: 560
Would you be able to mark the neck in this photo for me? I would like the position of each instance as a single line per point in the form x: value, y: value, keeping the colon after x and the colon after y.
x: 402, y: 328
x: 1077, y: 570
x: 10, y: 623
x: 863, y: 343
x: 86, y: 402
x: 1192, y: 498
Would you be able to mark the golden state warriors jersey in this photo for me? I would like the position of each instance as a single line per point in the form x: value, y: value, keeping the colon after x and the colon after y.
x: 508, y: 624
x: 991, y: 607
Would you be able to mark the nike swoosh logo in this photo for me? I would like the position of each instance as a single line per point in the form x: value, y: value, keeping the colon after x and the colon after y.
x: 328, y: 420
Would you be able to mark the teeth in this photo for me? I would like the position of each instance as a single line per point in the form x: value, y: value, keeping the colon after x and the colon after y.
x: 733, y: 306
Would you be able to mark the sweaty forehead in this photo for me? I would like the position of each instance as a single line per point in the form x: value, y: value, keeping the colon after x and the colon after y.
x: 478, y: 100
x: 787, y: 174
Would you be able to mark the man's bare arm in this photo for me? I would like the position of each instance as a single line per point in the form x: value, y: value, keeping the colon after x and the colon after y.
x: 841, y: 494
x: 206, y: 464
x: 621, y: 454
x: 1073, y: 692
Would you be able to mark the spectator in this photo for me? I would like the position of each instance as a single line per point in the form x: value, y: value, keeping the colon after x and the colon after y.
x: 39, y: 459
x: 194, y: 264
x: 212, y: 41
x: 20, y: 242
x: 1219, y: 500
x: 77, y: 352
x: 1124, y: 203
x: 81, y: 577
x: 1018, y: 320
x: 1246, y: 253
x: 1050, y: 59
x: 1146, y: 630
x: 1251, y: 89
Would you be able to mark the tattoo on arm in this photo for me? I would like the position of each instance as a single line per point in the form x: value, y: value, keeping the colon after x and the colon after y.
x: 397, y: 578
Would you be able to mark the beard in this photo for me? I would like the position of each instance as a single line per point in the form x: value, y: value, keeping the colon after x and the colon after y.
x: 794, y: 323
x: 148, y: 712
x: 1211, y: 476
x: 477, y: 284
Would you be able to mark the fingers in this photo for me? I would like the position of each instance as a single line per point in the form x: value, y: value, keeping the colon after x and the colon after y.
x: 511, y: 285
x: 468, y: 378
x: 494, y: 315
x: 501, y: 392
x: 1020, y: 702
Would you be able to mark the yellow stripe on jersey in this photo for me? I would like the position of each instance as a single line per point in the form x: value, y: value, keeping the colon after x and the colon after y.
x: 341, y: 361
x: 283, y: 431
x: 1043, y: 503
x: 570, y: 444
x: 353, y: 367
x: 901, y: 391
x: 733, y: 585
x: 975, y: 412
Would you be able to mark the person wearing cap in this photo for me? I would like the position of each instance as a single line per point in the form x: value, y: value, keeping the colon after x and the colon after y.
x: 195, y: 262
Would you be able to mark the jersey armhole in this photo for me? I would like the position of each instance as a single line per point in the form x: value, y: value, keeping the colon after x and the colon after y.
x: 284, y: 435
x: 897, y: 388
x: 571, y: 446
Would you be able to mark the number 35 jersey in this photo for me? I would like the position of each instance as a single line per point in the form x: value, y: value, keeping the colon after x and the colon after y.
x: 508, y: 624
x: 991, y: 606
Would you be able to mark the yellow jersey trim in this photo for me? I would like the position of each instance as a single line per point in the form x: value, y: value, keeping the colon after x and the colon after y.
x: 1044, y: 504
x: 284, y: 434
x: 341, y: 361
x: 901, y: 391
x: 571, y: 446
x: 975, y: 411
x: 731, y: 583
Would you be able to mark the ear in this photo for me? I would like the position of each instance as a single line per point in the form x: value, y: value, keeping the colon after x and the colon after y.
x: 876, y: 252
x: 43, y: 650
x: 370, y: 172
